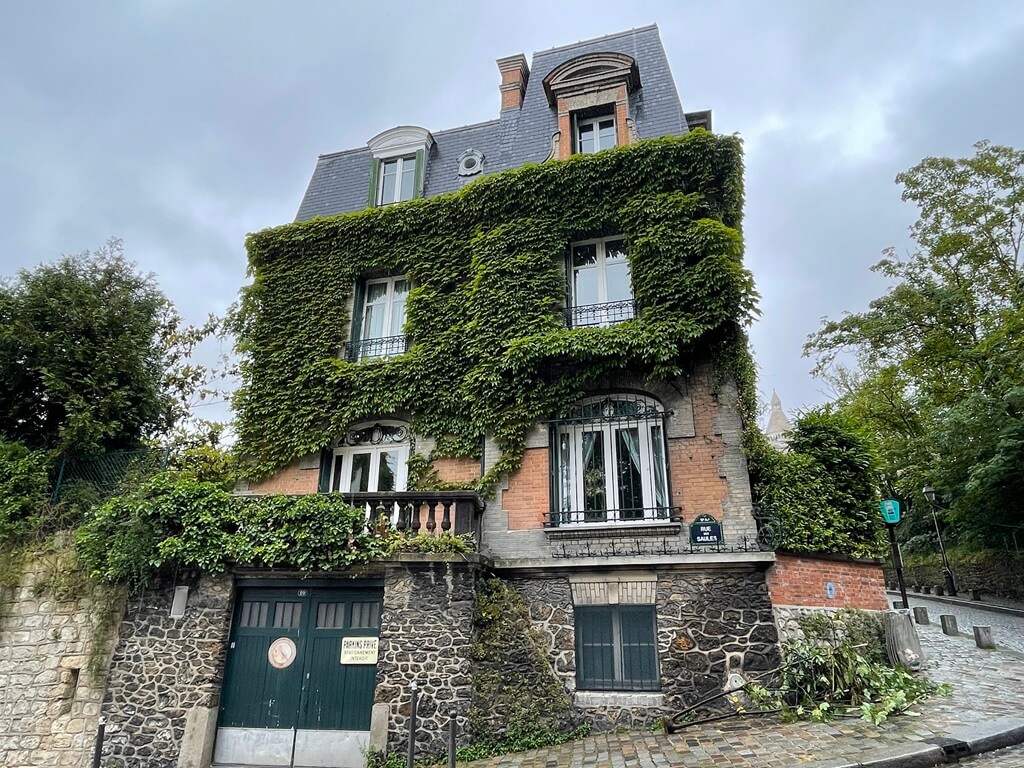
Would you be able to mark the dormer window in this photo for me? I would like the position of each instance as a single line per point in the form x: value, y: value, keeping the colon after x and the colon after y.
x: 399, y: 164
x: 594, y: 134
x: 397, y: 180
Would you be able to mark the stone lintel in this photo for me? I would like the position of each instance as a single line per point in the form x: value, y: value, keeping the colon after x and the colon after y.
x: 710, y: 560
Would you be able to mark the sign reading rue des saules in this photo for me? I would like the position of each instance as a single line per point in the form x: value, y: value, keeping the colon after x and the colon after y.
x: 705, y: 531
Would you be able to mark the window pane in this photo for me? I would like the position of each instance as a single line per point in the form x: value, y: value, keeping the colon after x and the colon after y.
x: 627, y: 462
x: 615, y: 250
x: 596, y: 648
x: 365, y: 615
x: 330, y: 616
x: 606, y: 135
x: 387, y: 183
x: 565, y: 474
x: 387, y: 471
x: 617, y: 281
x: 376, y: 309
x: 287, y: 615
x: 336, y: 479
x: 660, y: 486
x: 639, y: 652
x: 401, y: 289
x: 584, y: 255
x: 254, y: 614
x: 585, y: 287
x: 595, y: 487
x: 408, y: 178
x: 359, y: 480
x: 586, y: 138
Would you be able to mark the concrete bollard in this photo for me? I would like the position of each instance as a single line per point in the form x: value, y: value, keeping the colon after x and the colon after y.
x: 983, y: 637
x: 927, y: 589
x: 948, y: 622
x: 940, y: 590
x: 976, y: 594
x: 897, y: 604
x: 921, y: 615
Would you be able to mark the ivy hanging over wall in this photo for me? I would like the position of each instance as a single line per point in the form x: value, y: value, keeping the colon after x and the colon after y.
x: 490, y: 352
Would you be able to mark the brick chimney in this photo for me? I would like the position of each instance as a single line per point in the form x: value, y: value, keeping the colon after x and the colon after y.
x: 514, y: 75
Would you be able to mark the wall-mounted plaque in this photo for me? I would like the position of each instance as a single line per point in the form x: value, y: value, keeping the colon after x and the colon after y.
x: 705, y: 531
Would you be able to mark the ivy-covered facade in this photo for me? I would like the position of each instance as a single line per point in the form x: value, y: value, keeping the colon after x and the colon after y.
x: 527, y: 330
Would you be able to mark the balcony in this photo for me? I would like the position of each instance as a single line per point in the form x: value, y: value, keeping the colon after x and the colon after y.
x: 429, y: 512
x: 597, y: 315
x: 375, y: 349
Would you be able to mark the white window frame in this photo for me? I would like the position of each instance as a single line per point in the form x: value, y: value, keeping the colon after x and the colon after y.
x: 344, y: 455
x: 596, y: 122
x: 601, y: 267
x: 388, y: 303
x: 571, y: 485
x: 400, y: 167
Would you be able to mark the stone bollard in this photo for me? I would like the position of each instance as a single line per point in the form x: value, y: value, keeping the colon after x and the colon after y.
x: 940, y: 590
x: 927, y: 589
x: 976, y: 594
x: 983, y: 637
x: 948, y: 622
x: 897, y: 604
x: 921, y: 615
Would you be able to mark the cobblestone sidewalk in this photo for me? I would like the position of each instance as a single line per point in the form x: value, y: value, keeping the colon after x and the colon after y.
x: 986, y: 685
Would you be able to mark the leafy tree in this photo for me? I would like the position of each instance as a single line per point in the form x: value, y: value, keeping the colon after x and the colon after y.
x: 822, y: 488
x: 939, y: 359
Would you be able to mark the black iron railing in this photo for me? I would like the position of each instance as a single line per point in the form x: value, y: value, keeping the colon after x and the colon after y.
x: 591, y: 315
x: 372, y: 349
x: 429, y: 512
x: 613, y: 516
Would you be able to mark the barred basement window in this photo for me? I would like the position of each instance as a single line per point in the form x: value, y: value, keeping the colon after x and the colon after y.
x: 615, y: 648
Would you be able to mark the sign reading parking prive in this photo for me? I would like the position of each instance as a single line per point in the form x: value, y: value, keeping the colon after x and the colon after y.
x: 359, y: 650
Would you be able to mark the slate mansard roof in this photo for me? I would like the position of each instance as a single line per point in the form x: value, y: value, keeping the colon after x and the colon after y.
x: 341, y: 181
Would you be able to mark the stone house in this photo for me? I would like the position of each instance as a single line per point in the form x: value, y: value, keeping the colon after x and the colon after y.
x: 625, y: 525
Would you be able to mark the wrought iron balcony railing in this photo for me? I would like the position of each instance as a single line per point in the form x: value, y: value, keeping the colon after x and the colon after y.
x: 592, y: 315
x: 430, y: 512
x: 374, y: 349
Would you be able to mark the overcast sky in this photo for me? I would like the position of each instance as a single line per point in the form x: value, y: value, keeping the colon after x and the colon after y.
x: 181, y: 126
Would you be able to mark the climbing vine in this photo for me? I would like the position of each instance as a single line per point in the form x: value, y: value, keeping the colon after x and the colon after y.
x: 490, y: 353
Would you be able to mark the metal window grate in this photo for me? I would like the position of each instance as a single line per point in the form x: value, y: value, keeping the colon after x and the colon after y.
x: 596, y: 315
x: 373, y: 349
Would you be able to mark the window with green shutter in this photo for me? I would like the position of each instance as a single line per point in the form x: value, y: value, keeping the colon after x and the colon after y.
x: 616, y: 648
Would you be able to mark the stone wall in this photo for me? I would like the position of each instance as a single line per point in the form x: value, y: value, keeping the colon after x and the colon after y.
x: 426, y: 634
x: 165, y: 675
x: 711, y: 624
x: 992, y: 573
x: 49, y: 697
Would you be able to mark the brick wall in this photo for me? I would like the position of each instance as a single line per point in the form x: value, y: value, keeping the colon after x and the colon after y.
x: 526, y: 499
x: 802, y: 580
x: 457, y: 470
x: 697, y: 484
x: 298, y: 477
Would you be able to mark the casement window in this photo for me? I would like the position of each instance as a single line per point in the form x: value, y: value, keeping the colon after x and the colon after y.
x: 616, y: 648
x: 397, y: 180
x: 600, y: 289
x: 372, y: 459
x: 609, y: 463
x: 592, y: 134
x: 379, y: 314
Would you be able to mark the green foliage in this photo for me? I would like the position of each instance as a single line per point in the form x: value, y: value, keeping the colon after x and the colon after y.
x: 399, y: 542
x: 491, y: 354
x: 839, y: 669
x: 24, y: 489
x: 175, y: 518
x: 516, y: 694
x: 822, y: 490
x: 940, y: 357
x: 80, y: 359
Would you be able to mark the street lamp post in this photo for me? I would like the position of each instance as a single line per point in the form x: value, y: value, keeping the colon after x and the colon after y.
x: 947, y: 571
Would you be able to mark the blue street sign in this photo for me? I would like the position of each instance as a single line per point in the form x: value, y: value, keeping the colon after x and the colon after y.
x: 891, y: 511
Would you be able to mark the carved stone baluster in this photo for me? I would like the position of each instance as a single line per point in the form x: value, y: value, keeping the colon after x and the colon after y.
x: 416, y: 517
x: 402, y: 518
x: 446, y: 518
x: 431, y: 518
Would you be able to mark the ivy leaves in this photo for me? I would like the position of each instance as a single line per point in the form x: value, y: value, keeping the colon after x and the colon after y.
x: 490, y: 351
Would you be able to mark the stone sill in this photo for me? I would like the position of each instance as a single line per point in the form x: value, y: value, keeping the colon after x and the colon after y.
x: 598, y: 531
x: 432, y: 558
x: 679, y: 561
x: 834, y: 556
x: 648, y: 699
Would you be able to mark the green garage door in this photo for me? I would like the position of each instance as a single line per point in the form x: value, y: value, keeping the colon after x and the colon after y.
x: 302, y: 658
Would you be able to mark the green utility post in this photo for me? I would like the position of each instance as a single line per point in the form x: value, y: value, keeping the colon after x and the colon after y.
x: 891, y: 514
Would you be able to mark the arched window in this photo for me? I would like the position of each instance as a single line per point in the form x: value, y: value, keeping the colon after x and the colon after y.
x: 609, y: 462
x: 372, y: 458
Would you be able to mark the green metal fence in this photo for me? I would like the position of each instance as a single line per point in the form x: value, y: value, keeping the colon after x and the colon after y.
x: 108, y: 472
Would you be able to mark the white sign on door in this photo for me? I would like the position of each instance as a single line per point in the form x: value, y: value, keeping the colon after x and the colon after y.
x: 359, y: 650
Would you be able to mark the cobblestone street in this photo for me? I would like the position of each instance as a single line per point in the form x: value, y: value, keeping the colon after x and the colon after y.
x: 986, y: 685
x: 1011, y: 757
x: 1007, y: 629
